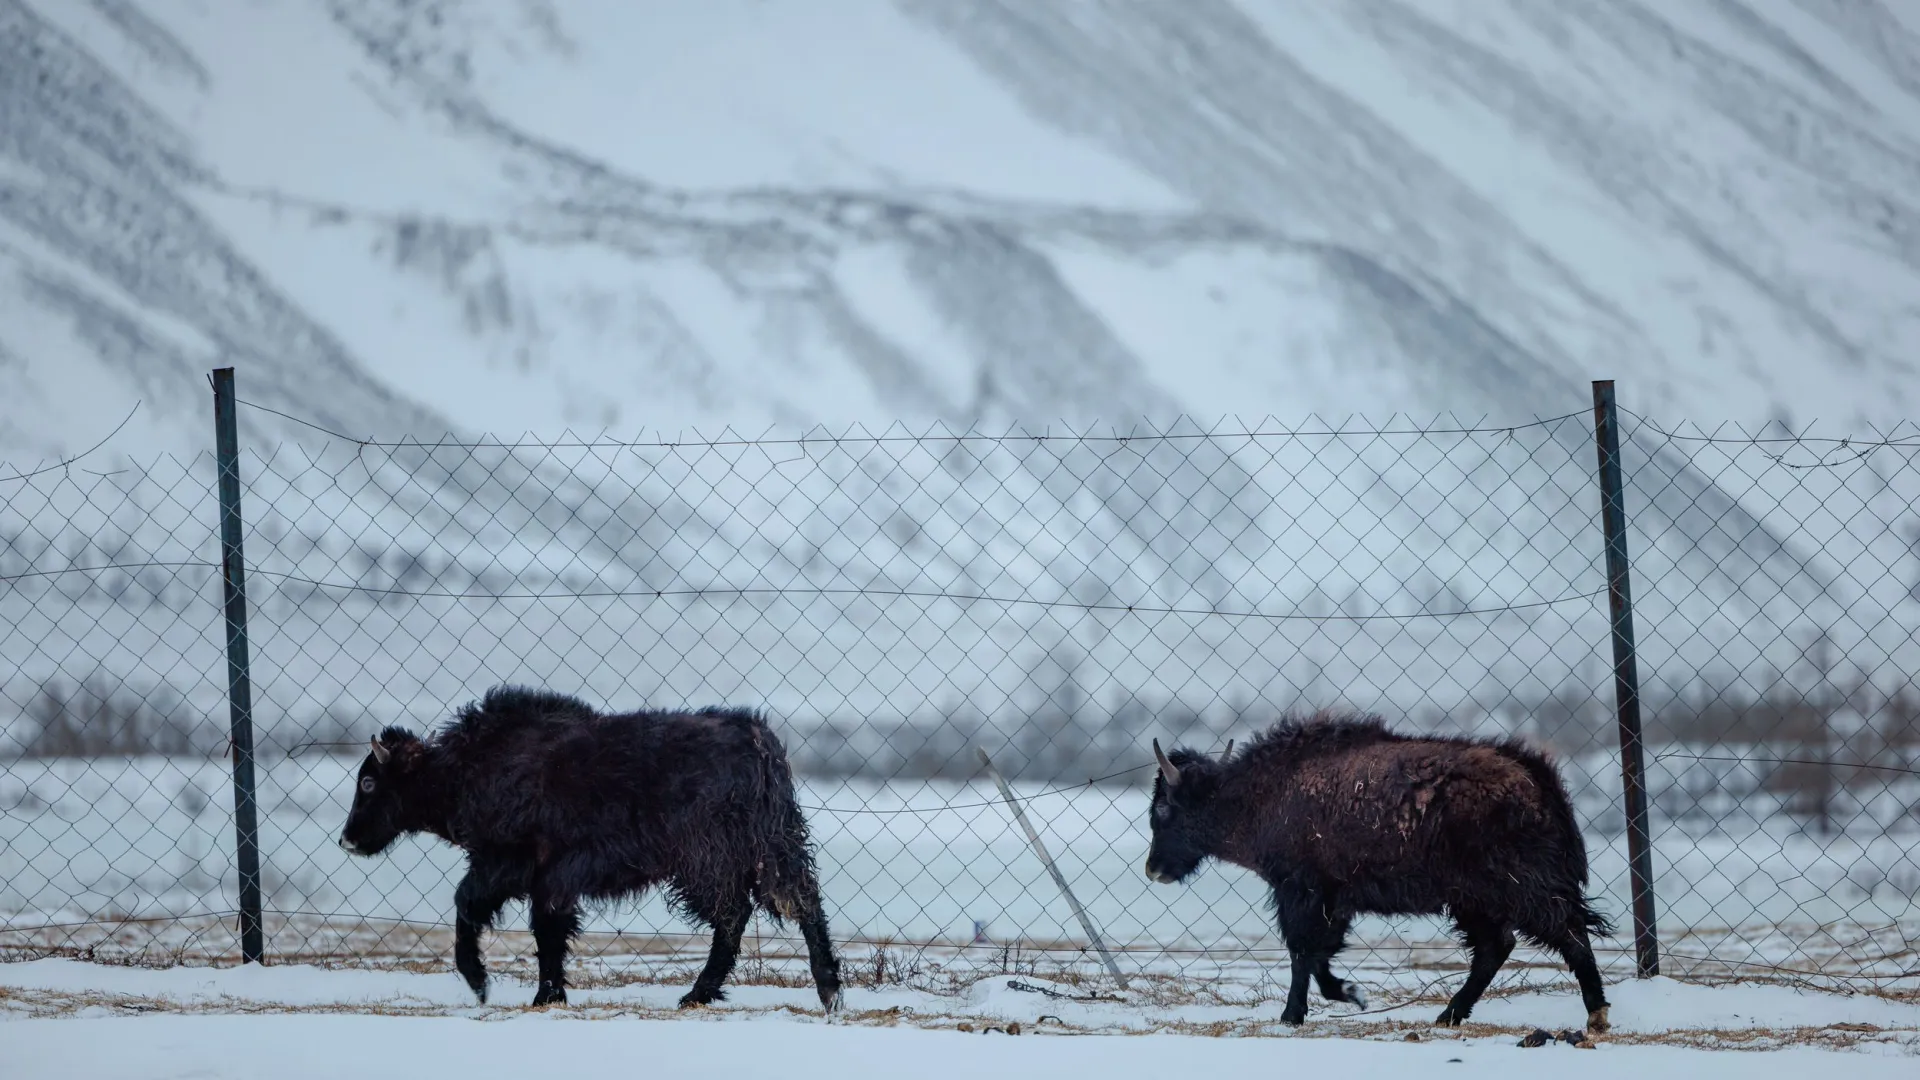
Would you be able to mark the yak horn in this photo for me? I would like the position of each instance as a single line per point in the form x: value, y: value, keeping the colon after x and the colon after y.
x: 1228, y: 752
x: 380, y: 753
x: 1166, y: 767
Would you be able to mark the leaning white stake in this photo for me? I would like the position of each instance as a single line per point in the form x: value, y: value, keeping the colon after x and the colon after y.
x: 1058, y: 879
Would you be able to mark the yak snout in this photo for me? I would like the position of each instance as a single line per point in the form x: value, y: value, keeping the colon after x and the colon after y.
x: 367, y: 842
x: 1161, y: 874
x: 1171, y: 863
x: 370, y: 829
x: 367, y: 835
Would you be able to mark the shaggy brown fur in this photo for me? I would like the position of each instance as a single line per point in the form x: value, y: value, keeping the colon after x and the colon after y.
x: 1341, y: 817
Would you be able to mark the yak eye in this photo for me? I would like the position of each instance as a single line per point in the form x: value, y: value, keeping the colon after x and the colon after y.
x: 366, y: 785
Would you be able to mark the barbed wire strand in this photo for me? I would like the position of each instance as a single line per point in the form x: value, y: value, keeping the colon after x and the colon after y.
x: 910, y: 594
x: 1902, y: 442
x: 865, y: 439
x: 70, y: 462
x: 1831, y: 763
x: 820, y: 591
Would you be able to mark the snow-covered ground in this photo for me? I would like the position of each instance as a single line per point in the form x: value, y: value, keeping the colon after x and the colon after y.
x: 63, y: 1018
x: 327, y: 1047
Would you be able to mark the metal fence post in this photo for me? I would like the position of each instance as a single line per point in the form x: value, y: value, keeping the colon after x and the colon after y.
x: 239, y: 684
x: 1626, y: 680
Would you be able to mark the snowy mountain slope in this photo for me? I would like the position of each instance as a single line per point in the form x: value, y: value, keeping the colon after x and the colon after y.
x: 401, y: 219
x: 117, y: 286
x: 1426, y: 133
x: 647, y: 215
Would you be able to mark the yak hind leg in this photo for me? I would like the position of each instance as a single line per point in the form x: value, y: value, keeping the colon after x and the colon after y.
x: 1492, y: 942
x: 555, y: 919
x: 727, y: 914
x: 1575, y: 945
x: 799, y: 901
x: 820, y: 955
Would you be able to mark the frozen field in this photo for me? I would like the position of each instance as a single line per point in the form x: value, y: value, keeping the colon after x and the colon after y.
x: 63, y: 1018
x: 132, y: 858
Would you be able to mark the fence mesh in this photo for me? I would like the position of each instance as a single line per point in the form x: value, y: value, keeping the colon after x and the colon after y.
x: 894, y: 600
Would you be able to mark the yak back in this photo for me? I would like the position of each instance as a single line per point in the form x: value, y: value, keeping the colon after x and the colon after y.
x: 1346, y: 797
x: 546, y: 770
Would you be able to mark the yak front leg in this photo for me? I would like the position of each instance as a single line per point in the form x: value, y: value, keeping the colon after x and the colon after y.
x: 476, y: 903
x: 1333, y: 987
x: 1312, y: 938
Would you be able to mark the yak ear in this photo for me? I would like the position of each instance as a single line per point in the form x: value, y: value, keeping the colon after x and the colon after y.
x: 380, y: 752
x: 1167, y: 769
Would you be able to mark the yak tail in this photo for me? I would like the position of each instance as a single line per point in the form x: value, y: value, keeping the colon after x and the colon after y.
x: 1553, y: 791
x: 1596, y: 923
x: 785, y: 884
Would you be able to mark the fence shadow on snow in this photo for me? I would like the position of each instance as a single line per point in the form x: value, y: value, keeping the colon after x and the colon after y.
x: 895, y: 600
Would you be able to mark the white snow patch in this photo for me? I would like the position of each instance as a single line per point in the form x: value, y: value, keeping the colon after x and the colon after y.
x: 192, y: 1023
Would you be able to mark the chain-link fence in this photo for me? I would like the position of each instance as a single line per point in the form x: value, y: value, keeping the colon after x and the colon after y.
x: 895, y: 600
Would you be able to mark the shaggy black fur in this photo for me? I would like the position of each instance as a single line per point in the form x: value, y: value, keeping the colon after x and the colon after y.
x: 1341, y: 817
x: 555, y: 803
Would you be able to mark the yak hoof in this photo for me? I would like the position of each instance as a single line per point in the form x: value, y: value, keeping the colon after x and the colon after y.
x: 1449, y: 1018
x: 833, y: 1002
x: 548, y: 994
x: 1597, y: 1019
x: 1354, y: 995
x: 1293, y: 1019
x: 697, y: 998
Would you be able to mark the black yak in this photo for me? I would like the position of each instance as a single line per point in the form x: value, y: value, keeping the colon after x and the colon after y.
x: 555, y: 803
x: 1342, y: 817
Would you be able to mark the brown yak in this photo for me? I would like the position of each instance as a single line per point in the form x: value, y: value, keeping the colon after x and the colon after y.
x: 1342, y: 817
